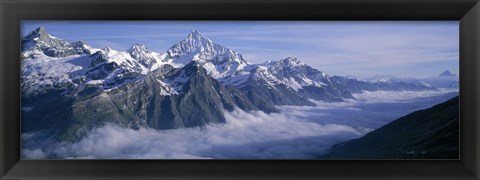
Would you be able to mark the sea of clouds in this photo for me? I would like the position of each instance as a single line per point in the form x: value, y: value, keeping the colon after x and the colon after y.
x: 298, y: 132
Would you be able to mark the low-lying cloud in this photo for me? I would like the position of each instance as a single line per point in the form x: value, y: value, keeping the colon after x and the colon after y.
x: 370, y: 110
x: 299, y: 132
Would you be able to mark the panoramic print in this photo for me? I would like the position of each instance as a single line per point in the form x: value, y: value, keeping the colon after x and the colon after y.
x: 239, y: 90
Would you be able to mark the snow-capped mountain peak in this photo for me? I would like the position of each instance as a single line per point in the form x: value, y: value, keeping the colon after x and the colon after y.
x: 204, y: 48
x: 291, y: 62
x: 40, y: 42
x: 137, y: 48
x: 140, y: 52
x: 40, y: 35
x: 294, y: 71
x: 195, y: 42
x: 40, y: 31
x: 289, y: 65
x: 149, y: 59
x: 41, y: 39
x: 108, y: 51
x: 218, y: 60
x: 195, y: 34
x: 36, y: 33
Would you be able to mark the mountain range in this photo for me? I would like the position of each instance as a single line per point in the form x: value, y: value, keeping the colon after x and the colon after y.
x: 70, y: 87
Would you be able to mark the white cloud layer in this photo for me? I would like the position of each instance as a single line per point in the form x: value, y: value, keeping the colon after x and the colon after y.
x: 299, y: 132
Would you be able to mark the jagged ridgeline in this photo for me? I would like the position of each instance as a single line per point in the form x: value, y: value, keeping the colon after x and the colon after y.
x: 70, y: 87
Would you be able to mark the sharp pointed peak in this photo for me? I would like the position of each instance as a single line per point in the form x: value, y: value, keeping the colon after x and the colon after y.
x: 196, y: 34
x: 446, y: 73
x: 195, y: 41
x: 38, y: 32
x: 40, y: 35
x: 137, y: 46
x: 41, y: 29
x: 195, y: 31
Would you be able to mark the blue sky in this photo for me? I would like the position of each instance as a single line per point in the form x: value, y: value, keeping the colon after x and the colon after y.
x: 358, y: 48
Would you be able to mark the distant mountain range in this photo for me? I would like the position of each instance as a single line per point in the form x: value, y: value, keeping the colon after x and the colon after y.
x: 445, y: 80
x: 70, y: 87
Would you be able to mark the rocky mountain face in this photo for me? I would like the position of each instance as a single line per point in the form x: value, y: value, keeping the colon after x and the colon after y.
x: 194, y: 99
x: 425, y: 134
x: 68, y: 88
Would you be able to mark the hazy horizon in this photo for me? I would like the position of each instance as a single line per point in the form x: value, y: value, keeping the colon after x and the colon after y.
x: 358, y: 48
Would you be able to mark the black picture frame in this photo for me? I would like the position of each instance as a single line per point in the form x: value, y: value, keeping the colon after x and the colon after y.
x: 13, y: 11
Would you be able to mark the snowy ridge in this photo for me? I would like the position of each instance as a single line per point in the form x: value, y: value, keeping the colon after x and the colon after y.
x: 125, y: 59
x: 297, y: 74
x: 148, y: 59
x: 263, y: 73
x: 52, y: 63
x: 107, y: 65
x: 44, y: 73
x: 290, y: 72
x: 49, y: 62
